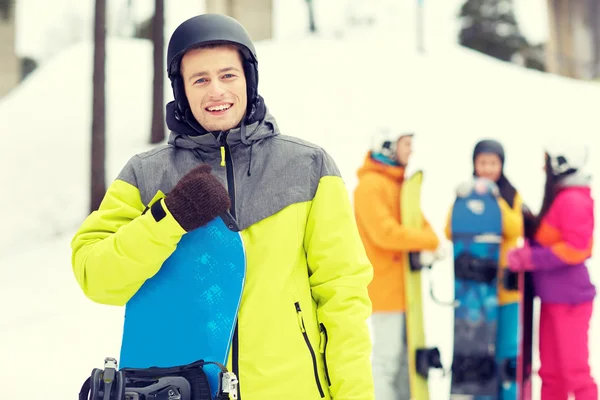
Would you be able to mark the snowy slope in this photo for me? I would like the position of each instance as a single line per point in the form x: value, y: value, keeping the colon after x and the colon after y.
x: 368, y: 79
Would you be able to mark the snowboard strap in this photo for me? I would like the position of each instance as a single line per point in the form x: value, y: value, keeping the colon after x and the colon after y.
x: 199, y: 387
x: 187, y: 382
x: 476, y: 369
x: 104, y: 384
x: 414, y: 261
x: 427, y: 358
x: 468, y: 267
x: 510, y: 279
x: 508, y: 370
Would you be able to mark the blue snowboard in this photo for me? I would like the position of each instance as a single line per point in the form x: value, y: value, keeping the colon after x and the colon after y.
x: 476, y: 235
x: 188, y: 310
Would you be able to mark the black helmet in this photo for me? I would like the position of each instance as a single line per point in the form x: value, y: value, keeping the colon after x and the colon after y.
x: 489, y: 146
x: 211, y: 29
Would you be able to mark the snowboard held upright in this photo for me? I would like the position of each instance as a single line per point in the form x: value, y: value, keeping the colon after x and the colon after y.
x: 492, y: 342
x: 181, y: 322
x: 476, y: 225
x: 420, y: 357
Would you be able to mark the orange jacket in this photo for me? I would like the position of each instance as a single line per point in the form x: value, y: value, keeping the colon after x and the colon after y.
x: 377, y: 210
x: 512, y: 230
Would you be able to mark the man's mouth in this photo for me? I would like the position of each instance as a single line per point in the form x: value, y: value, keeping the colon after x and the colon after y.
x: 219, y: 107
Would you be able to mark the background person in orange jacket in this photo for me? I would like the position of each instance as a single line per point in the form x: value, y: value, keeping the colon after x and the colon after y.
x: 488, y: 162
x: 377, y: 208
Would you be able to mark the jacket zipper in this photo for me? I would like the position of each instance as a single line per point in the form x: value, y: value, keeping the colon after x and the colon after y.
x: 227, y: 162
x: 325, y: 339
x: 310, y: 348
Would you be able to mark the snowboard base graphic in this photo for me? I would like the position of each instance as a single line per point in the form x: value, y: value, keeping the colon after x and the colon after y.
x: 188, y: 310
x: 476, y: 223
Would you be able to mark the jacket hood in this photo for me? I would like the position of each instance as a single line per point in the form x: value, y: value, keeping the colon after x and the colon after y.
x: 184, y: 136
x: 370, y: 165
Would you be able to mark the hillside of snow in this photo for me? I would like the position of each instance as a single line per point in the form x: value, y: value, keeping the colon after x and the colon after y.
x: 334, y: 92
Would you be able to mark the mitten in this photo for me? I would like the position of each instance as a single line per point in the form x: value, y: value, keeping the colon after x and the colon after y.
x: 464, y: 189
x: 484, y: 186
x: 478, y: 185
x: 428, y: 257
x: 197, y: 198
x: 520, y: 259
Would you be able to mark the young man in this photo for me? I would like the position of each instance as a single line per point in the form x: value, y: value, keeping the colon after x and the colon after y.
x: 377, y: 208
x: 302, y: 246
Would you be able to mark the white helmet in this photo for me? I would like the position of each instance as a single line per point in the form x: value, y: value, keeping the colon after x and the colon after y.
x: 567, y: 157
x: 385, y: 141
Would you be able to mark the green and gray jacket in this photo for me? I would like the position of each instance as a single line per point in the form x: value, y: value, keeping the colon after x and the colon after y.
x: 302, y: 331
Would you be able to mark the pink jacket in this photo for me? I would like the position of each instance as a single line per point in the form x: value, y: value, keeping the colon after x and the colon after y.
x: 562, y: 245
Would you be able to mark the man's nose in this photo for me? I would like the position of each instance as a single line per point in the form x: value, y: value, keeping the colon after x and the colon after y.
x: 216, y: 89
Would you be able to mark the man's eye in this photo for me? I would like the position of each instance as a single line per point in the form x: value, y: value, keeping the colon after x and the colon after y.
x: 227, y: 76
x: 201, y: 80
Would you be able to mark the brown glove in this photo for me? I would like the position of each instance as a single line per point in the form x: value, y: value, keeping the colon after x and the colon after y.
x: 197, y: 198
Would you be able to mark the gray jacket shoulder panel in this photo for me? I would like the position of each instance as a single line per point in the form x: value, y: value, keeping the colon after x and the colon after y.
x: 321, y: 159
x: 269, y: 175
x: 284, y: 170
x: 157, y: 169
x: 133, y: 168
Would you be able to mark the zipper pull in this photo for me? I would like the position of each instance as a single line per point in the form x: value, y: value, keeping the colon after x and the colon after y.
x: 322, y: 344
x: 299, y: 316
x: 222, y: 156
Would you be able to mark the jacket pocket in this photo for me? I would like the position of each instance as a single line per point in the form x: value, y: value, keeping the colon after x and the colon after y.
x: 310, y: 348
x: 323, y: 349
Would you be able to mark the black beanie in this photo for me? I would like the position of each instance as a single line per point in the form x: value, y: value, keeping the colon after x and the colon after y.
x: 489, y: 146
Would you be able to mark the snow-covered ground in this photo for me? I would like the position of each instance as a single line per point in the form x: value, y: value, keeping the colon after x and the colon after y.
x: 334, y: 92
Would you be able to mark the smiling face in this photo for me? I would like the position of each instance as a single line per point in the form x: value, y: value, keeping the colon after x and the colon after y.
x: 215, y: 86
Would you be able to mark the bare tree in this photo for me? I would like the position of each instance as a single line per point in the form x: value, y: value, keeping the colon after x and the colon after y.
x: 158, y: 125
x: 312, y: 26
x: 9, y: 61
x: 6, y: 10
x: 98, y: 183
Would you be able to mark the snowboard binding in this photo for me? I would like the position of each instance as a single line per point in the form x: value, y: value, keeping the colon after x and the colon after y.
x: 187, y: 382
x: 104, y: 384
x: 476, y: 369
x: 427, y: 359
x: 510, y: 280
x: 508, y: 370
x: 482, y: 270
x: 414, y: 261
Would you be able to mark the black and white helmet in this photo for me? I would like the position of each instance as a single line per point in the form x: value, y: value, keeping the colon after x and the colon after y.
x: 566, y: 158
x: 385, y: 141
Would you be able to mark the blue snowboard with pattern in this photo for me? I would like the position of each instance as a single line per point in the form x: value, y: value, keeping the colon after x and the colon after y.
x: 476, y: 225
x: 188, y: 310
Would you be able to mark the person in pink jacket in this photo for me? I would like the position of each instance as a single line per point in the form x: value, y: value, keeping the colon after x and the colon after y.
x: 558, y: 243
